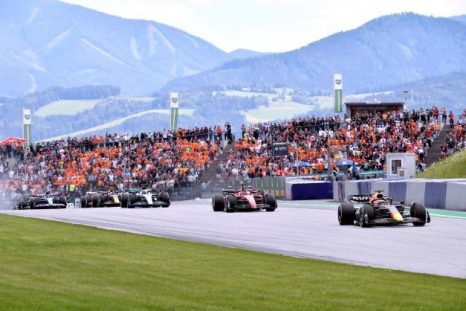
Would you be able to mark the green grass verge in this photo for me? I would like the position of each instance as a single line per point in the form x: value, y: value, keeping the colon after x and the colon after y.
x: 53, y: 266
x: 451, y: 167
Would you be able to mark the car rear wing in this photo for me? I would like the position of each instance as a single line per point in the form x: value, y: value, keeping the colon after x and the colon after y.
x: 237, y: 189
x: 229, y: 190
x: 360, y: 198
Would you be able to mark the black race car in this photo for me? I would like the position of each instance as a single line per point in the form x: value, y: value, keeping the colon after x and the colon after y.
x: 243, y: 199
x: 144, y: 198
x: 41, y: 201
x: 101, y: 199
x: 378, y: 209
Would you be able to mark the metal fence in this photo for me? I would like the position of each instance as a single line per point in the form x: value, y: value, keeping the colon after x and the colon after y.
x: 186, y: 192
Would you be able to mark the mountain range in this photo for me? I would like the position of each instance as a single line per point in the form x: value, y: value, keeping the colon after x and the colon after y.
x: 46, y: 43
x: 52, y: 54
x: 459, y: 18
x: 386, y: 51
x: 448, y: 90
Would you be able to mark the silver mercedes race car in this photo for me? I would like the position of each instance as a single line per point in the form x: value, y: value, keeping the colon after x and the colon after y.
x: 144, y: 198
x: 41, y: 201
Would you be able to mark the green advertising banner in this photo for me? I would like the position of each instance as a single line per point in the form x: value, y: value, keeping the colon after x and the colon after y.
x: 27, y: 134
x: 174, y: 106
x: 173, y: 118
x: 338, y: 101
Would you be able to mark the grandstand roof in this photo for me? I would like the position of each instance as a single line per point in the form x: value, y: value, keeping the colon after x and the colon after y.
x: 378, y: 104
x: 352, y: 107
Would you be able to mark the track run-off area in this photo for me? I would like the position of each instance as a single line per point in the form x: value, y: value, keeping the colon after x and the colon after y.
x: 307, y: 229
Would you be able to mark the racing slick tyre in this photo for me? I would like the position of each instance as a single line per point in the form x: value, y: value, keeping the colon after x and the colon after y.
x: 366, y: 215
x: 271, y: 201
x: 95, y: 200
x: 62, y: 200
x: 131, y: 200
x: 218, y: 203
x: 124, y: 200
x: 346, y: 214
x: 32, y: 204
x: 22, y: 205
x: 165, y: 197
x: 230, y: 203
x: 419, y: 211
x: 88, y: 201
x: 102, y: 200
x: 262, y: 193
x: 84, y: 201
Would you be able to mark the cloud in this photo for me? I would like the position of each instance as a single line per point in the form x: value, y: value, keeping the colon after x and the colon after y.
x: 267, y: 25
x: 174, y: 13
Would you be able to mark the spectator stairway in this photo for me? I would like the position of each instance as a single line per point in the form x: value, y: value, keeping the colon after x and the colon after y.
x: 210, y: 175
x: 435, y: 152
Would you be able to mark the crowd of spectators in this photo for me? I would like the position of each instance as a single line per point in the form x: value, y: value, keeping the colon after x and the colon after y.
x: 169, y: 160
x: 158, y: 160
x: 455, y: 139
x: 317, y: 144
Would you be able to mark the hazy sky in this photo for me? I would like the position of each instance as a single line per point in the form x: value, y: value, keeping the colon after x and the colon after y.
x: 268, y: 25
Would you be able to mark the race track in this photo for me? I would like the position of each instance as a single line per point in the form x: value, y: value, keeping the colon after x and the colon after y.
x: 296, y: 229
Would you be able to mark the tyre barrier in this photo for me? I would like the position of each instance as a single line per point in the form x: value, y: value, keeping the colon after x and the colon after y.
x: 440, y: 194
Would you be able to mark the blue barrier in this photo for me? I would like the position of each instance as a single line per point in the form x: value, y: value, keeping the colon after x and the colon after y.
x: 435, y: 195
x: 397, y: 191
x: 309, y: 190
x: 415, y: 191
x: 456, y: 196
x: 440, y: 194
x: 364, y: 187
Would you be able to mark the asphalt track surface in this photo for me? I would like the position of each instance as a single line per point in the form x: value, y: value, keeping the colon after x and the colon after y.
x: 301, y: 229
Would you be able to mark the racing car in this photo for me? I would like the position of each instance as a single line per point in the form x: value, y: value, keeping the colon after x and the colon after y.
x: 41, y: 201
x: 243, y: 199
x: 100, y: 199
x: 144, y: 198
x: 378, y: 209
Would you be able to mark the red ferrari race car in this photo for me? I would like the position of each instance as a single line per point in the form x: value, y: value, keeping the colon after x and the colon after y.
x: 243, y: 199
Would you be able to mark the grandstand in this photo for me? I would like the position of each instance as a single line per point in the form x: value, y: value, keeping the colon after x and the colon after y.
x: 195, y: 158
x: 319, y: 143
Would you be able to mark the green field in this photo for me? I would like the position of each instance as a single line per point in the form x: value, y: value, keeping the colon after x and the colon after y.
x: 66, y: 107
x: 452, y: 167
x: 53, y: 266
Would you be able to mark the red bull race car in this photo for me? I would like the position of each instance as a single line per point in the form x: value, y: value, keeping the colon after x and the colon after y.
x: 378, y: 209
x: 243, y: 199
